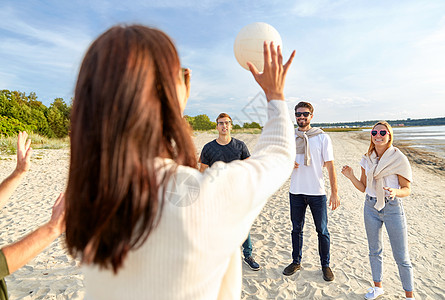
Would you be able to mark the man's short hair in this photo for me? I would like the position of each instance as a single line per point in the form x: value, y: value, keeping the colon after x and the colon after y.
x: 223, y: 115
x: 306, y: 105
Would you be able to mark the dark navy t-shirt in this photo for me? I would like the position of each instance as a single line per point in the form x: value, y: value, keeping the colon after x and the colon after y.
x: 213, y: 152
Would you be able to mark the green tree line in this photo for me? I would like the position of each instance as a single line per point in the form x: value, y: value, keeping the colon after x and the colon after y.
x: 203, y: 122
x: 19, y: 112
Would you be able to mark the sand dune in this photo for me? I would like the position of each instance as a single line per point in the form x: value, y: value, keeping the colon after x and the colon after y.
x: 54, y: 275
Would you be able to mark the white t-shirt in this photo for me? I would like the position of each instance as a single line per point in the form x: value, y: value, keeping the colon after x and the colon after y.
x: 308, y: 180
x: 391, y: 181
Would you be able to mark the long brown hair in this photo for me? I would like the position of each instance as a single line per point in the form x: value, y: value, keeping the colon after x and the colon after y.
x: 391, y: 136
x: 125, y: 114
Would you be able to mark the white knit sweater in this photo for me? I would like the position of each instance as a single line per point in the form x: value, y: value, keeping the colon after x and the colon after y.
x: 194, y: 253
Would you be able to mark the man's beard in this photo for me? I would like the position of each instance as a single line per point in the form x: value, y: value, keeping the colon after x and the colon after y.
x: 302, y: 123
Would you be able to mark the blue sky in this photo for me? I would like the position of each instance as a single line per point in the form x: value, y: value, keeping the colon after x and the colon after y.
x: 356, y: 60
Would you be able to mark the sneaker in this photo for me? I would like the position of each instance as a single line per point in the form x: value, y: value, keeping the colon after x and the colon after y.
x: 252, y: 263
x: 327, y: 274
x: 291, y: 269
x: 374, y: 293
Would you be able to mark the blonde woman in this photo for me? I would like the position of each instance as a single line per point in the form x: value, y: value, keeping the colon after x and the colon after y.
x: 386, y: 178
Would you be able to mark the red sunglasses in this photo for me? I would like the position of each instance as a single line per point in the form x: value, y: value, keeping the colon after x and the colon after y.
x: 381, y: 132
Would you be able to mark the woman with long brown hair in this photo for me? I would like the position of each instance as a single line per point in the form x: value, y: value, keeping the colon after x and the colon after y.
x: 385, y: 177
x: 144, y: 221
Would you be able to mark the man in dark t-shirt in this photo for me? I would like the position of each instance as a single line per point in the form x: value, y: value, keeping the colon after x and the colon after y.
x: 213, y: 152
x: 227, y: 149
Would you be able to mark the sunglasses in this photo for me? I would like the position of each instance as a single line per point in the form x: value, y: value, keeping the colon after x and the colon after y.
x: 305, y: 114
x: 381, y: 132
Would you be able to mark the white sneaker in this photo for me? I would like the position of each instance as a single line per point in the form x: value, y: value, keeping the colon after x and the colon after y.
x: 374, y: 293
x: 410, y: 299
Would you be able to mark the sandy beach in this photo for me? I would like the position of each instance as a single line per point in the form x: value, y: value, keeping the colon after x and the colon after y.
x: 54, y: 274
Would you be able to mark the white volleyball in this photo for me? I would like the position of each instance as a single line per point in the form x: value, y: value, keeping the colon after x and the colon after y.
x: 249, y: 44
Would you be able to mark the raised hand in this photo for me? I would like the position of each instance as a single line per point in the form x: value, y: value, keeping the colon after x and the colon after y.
x: 272, y: 79
x: 24, y: 152
x: 57, y: 221
x: 347, y: 171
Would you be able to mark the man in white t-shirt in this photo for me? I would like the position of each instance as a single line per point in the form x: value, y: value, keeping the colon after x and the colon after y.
x: 314, y: 151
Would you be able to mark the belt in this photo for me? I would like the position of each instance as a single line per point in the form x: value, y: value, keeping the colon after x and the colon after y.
x: 387, y: 199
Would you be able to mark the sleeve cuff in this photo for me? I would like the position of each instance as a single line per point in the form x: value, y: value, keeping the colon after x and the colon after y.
x: 4, y: 270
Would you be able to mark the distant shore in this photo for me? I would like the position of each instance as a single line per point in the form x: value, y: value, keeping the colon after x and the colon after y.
x: 395, y: 123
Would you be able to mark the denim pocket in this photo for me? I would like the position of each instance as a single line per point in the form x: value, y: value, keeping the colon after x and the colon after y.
x: 370, y: 201
x: 394, y: 207
x: 395, y: 201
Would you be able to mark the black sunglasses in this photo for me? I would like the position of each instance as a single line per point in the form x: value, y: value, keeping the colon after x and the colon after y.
x: 381, y: 132
x: 305, y: 114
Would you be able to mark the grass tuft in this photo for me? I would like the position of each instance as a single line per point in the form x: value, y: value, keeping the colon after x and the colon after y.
x: 8, y: 144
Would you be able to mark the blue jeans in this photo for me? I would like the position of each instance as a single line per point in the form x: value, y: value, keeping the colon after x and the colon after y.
x: 317, y: 204
x: 393, y: 216
x: 247, y: 247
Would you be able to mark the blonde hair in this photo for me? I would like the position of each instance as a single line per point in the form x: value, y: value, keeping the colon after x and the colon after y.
x: 391, y: 136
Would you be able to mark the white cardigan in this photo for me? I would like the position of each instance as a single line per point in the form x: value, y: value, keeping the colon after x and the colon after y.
x: 194, y: 253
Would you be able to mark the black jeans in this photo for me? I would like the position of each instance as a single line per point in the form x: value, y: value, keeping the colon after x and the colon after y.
x: 317, y: 204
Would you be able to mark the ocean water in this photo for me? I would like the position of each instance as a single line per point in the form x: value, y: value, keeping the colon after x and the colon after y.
x: 429, y: 138
x: 435, y: 133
